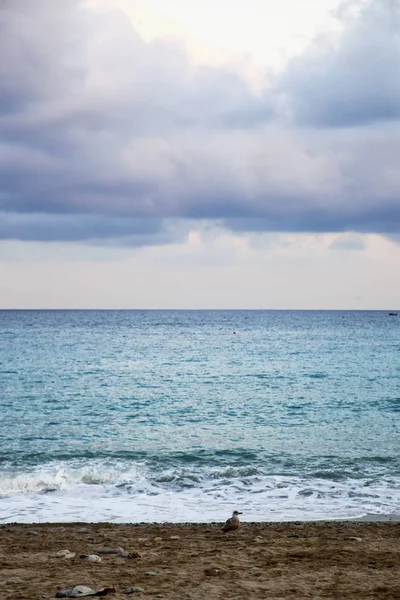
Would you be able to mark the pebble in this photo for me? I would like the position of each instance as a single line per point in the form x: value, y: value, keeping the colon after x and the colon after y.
x: 355, y: 539
x: 175, y: 537
x: 158, y: 539
x: 133, y: 590
x: 150, y: 573
x: 82, y: 590
x: 65, y: 554
x: 93, y: 558
x: 76, y: 592
x: 65, y: 593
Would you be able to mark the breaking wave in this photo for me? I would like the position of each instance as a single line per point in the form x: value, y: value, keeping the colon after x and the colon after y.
x: 137, y: 492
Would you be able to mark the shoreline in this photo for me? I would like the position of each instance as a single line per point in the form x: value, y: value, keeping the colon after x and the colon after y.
x: 369, y: 518
x: 321, y: 559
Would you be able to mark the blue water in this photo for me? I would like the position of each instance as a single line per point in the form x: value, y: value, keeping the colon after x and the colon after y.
x: 169, y: 415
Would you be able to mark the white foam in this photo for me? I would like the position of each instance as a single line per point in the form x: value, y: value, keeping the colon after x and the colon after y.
x: 64, y: 476
x: 132, y: 493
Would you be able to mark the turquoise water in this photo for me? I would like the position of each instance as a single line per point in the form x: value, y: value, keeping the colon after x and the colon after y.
x: 169, y: 415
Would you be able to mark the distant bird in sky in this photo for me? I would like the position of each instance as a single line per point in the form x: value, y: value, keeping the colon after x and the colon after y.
x: 232, y: 523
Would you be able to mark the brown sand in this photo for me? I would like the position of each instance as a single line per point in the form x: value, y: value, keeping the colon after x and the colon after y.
x: 257, y: 561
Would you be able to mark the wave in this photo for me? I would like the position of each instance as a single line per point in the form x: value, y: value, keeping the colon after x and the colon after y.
x: 122, y: 491
x: 61, y: 476
x: 282, y: 463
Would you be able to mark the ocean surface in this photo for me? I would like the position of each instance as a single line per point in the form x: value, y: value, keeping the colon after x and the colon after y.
x: 129, y: 416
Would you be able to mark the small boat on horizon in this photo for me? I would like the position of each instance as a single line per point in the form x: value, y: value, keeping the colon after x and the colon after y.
x: 393, y: 314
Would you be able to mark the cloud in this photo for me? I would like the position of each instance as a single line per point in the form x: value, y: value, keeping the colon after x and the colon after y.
x: 348, y: 242
x: 42, y: 42
x: 108, y: 138
x: 395, y: 237
x: 70, y: 228
x: 353, y: 80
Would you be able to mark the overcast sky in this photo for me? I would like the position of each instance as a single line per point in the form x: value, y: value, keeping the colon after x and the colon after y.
x: 186, y: 154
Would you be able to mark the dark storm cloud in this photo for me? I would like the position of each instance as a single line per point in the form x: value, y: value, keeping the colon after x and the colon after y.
x: 318, y: 220
x: 355, y: 80
x: 106, y: 137
x: 70, y: 228
x: 40, y: 41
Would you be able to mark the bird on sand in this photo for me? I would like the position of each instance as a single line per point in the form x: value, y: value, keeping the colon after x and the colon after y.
x: 232, y: 523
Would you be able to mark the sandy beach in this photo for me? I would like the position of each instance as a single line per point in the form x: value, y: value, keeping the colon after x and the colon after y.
x: 281, y: 560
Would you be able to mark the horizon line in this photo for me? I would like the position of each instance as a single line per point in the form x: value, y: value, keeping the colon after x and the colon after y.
x: 201, y: 309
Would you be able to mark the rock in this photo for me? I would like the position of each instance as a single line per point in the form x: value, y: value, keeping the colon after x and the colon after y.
x: 93, y: 558
x: 158, y: 539
x: 32, y: 533
x: 133, y: 590
x: 65, y: 554
x: 107, y: 550
x: 82, y: 590
x: 175, y: 537
x: 65, y: 593
x: 354, y: 539
x: 150, y: 573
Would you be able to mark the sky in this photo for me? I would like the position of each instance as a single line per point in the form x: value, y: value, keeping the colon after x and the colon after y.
x: 214, y: 154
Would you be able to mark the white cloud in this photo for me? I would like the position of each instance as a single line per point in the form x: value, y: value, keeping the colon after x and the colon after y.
x: 113, y: 138
x: 263, y: 31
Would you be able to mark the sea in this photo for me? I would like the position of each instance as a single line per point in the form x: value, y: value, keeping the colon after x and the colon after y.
x: 184, y: 416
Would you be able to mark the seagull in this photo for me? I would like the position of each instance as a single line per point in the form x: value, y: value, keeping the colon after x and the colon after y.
x: 232, y: 523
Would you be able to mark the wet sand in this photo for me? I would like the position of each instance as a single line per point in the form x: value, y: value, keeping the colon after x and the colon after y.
x: 282, y: 560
